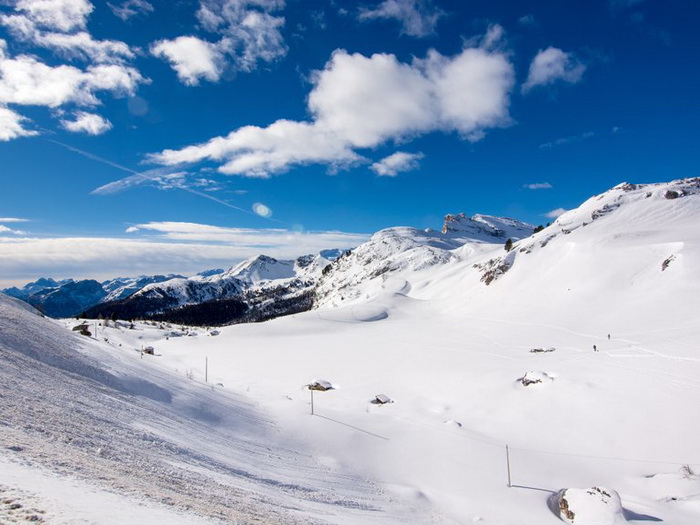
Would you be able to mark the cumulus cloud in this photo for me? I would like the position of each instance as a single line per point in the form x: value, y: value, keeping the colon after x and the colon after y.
x: 11, y: 125
x: 58, y: 15
x: 555, y: 213
x: 192, y: 58
x: 24, y: 80
x: 396, y: 163
x: 156, y: 248
x: 59, y: 25
x: 361, y: 102
x: 248, y: 33
x: 418, y: 18
x: 131, y: 8
x: 552, y: 65
x: 538, y: 186
x: 89, y: 123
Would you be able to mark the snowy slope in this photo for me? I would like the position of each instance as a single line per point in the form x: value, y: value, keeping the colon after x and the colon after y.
x: 619, y: 273
x: 361, y: 273
x: 93, y: 433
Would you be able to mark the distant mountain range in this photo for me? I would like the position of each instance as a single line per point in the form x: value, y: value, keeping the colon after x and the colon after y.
x: 482, y: 247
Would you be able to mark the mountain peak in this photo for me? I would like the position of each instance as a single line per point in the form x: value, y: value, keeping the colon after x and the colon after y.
x: 485, y: 227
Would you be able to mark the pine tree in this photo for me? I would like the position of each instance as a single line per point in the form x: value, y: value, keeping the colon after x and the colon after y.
x: 509, y: 245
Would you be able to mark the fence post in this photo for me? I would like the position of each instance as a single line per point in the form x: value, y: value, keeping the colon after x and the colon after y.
x: 206, y: 369
x: 312, y: 400
x: 508, y: 465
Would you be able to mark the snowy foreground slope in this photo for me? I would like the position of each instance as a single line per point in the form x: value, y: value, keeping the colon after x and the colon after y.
x: 417, y: 323
x: 91, y: 433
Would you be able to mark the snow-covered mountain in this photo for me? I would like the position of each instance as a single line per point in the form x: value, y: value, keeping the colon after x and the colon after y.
x: 362, y: 272
x: 68, y: 298
x: 256, y: 289
x: 569, y: 361
x: 645, y: 222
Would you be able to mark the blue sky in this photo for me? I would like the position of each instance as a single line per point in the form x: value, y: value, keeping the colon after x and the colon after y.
x: 154, y: 136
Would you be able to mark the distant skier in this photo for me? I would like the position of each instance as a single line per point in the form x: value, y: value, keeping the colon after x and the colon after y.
x: 608, y: 336
x: 595, y: 349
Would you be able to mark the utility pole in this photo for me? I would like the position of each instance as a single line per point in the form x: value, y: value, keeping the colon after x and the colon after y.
x: 508, y: 464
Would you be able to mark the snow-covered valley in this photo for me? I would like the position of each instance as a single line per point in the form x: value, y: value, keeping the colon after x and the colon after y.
x: 599, y: 312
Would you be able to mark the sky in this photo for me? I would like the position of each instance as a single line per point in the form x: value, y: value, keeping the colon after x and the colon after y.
x: 174, y: 136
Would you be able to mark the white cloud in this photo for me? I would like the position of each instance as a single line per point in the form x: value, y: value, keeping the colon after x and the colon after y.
x: 259, y: 152
x: 58, y: 15
x: 538, y: 186
x: 361, y: 102
x: 131, y: 8
x: 5, y: 229
x: 11, y: 125
x: 555, y: 213
x: 59, y: 25
x: 162, y: 178
x: 89, y: 123
x: 24, y: 80
x: 191, y: 58
x: 552, y: 65
x: 259, y: 240
x: 12, y: 219
x: 397, y: 162
x: 248, y: 31
x: 156, y: 248
x: 417, y: 17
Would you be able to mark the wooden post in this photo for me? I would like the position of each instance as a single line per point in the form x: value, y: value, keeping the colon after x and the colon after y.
x: 206, y: 369
x: 312, y: 400
x: 508, y: 464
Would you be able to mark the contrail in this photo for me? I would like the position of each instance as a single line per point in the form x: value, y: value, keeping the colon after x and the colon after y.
x: 144, y: 175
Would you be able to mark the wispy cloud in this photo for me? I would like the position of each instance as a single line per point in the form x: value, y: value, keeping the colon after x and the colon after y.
x: 131, y: 8
x: 553, y: 65
x: 139, y: 177
x: 573, y: 139
x: 396, y: 163
x: 12, y: 231
x: 528, y: 21
x: 5, y: 229
x: 156, y: 248
x: 361, y: 102
x: 555, y: 213
x: 538, y: 186
x: 418, y: 18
